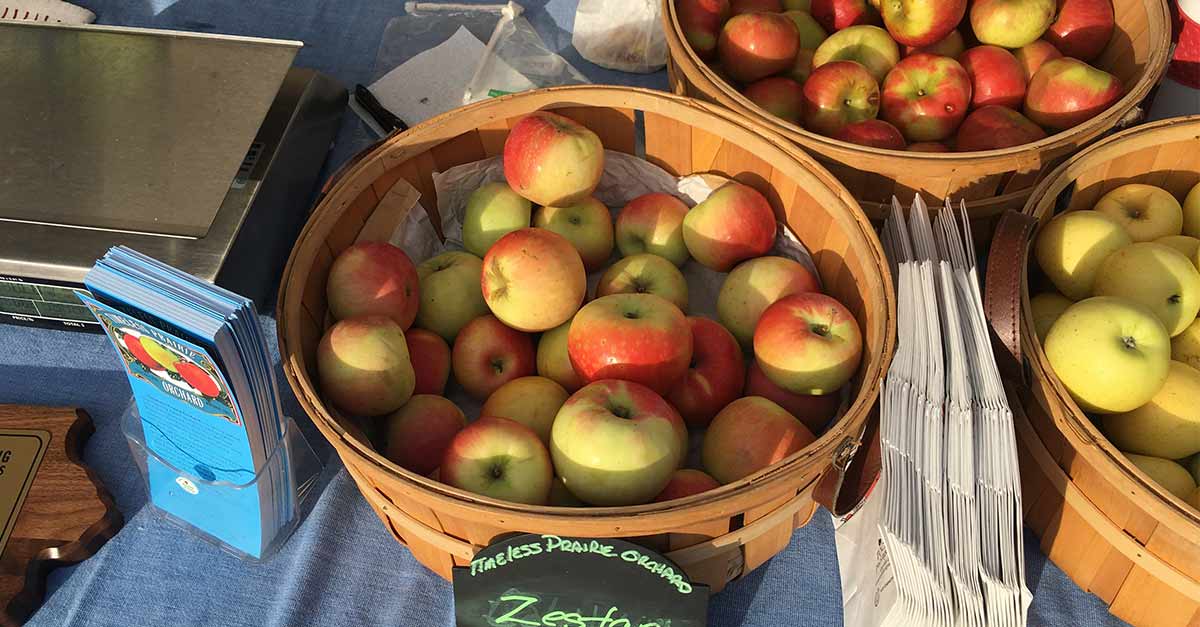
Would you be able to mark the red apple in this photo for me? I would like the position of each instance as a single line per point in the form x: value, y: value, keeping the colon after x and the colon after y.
x: 487, y: 354
x: 1032, y: 57
x: 552, y: 160
x: 738, y: 7
x: 714, y: 377
x: 929, y: 146
x: 834, y: 15
x: 814, y: 411
x: 781, y: 97
x: 992, y: 128
x: 734, y: 223
x: 922, y: 22
x: 196, y: 377
x: 430, y: 356
x: 701, y: 21
x: 808, y: 344
x: 926, y: 97
x: 838, y: 94
x: 1066, y: 92
x: 499, y: 458
x: 997, y: 78
x: 363, y: 366
x: 533, y: 279
x: 419, y: 433
x: 951, y: 45
x: 634, y: 337
x: 686, y: 482
x: 757, y: 45
x: 1082, y: 28
x: 373, y: 279
x: 617, y: 443
x: 749, y: 435
x: 874, y: 133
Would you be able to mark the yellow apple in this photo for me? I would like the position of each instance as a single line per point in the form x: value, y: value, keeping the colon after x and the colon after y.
x: 1071, y: 247
x: 531, y: 401
x: 1193, y: 465
x: 1111, y: 354
x: 1146, y: 211
x: 1185, y: 347
x: 1156, y: 276
x: 1191, y: 212
x: 1168, y: 425
x: 1047, y: 307
x: 1185, y: 244
x: 1166, y: 473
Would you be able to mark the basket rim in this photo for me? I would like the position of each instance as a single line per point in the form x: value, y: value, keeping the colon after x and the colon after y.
x: 1041, y: 205
x: 1156, y: 66
x: 650, y: 101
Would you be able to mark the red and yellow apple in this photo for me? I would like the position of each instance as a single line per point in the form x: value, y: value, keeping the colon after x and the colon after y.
x: 552, y: 160
x: 701, y: 21
x: 757, y: 45
x: 653, y: 223
x: 553, y: 361
x: 645, y: 274
x: 487, y: 354
x: 531, y: 401
x: 874, y: 133
x: 869, y: 46
x: 756, y: 284
x: 373, y: 279
x: 134, y: 344
x: 997, y: 78
x: 363, y: 366
x: 835, y: 15
x: 686, y: 482
x: 159, y: 354
x: 430, y: 357
x: 1067, y: 92
x: 951, y: 45
x: 808, y: 343
x: 734, y: 223
x: 1011, y: 23
x: 780, y: 96
x: 501, y: 459
x: 635, y: 337
x: 533, y: 279
x: 922, y: 22
x: 714, y: 376
x: 749, y: 435
x: 587, y: 225
x: 450, y: 292
x: 1034, y: 55
x: 926, y: 97
x: 1082, y: 28
x: 617, y: 443
x: 419, y: 433
x: 994, y: 127
x: 813, y: 410
x: 837, y: 95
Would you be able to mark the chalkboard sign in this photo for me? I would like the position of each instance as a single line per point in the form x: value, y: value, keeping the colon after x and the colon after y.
x: 551, y: 581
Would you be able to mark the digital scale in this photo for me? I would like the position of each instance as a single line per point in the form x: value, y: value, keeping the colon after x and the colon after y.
x: 199, y: 150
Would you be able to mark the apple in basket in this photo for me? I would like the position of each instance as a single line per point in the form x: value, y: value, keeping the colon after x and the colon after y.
x: 734, y: 223
x: 756, y: 284
x: 808, y: 344
x: 1169, y: 474
x: 419, y: 432
x: 926, y: 97
x: 835, y: 15
x: 714, y: 376
x: 653, y: 223
x: 1146, y: 212
x: 450, y: 293
x: 996, y: 77
x: 686, y: 482
x: 587, y: 225
x: 750, y: 434
x: 1046, y: 308
x: 757, y: 45
x: 531, y: 401
x: 922, y: 22
x: 780, y: 96
x: 701, y: 21
x: 951, y: 45
x: 994, y: 127
x: 1157, y: 276
x: 1167, y: 426
x: 738, y: 7
x: 430, y: 356
x: 814, y: 411
x: 553, y: 361
x: 645, y: 274
x: 487, y: 354
x: 1011, y: 23
x: 1082, y: 28
x: 617, y: 443
x: 373, y: 278
x: 533, y: 279
x: 1067, y: 92
x: 499, y: 458
x: 1073, y: 245
x: 1034, y: 55
x: 552, y: 160
x: 874, y: 133
x: 837, y: 95
x: 635, y: 337
x: 811, y: 32
x: 870, y: 46
x: 493, y: 211
x: 363, y: 366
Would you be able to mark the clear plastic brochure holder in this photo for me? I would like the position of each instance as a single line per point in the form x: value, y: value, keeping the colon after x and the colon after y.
x: 305, y: 475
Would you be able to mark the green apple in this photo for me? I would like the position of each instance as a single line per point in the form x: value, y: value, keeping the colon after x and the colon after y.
x: 1191, y: 212
x: 756, y: 284
x: 1185, y: 244
x: 450, y: 293
x: 1047, y: 307
x: 587, y: 225
x: 1011, y: 23
x: 1167, y: 426
x: 1146, y: 211
x: 1166, y: 473
x: 553, y: 361
x: 1111, y: 354
x: 499, y: 458
x: 870, y: 46
x: 645, y: 274
x: 1073, y: 245
x: 493, y: 211
x: 1156, y: 276
x: 531, y: 401
x: 811, y: 33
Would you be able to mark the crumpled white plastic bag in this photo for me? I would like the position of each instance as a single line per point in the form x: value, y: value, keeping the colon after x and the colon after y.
x: 624, y: 35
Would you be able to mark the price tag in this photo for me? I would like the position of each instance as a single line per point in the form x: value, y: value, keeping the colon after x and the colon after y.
x: 552, y: 581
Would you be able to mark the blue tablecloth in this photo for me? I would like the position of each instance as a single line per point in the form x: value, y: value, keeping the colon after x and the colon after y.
x: 341, y: 567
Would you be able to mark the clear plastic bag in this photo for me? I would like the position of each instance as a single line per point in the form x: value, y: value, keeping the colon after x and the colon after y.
x: 624, y: 35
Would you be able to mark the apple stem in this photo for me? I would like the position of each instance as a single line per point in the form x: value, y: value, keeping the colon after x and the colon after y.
x: 1129, y: 342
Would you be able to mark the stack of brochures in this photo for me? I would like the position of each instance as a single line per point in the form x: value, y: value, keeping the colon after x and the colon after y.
x: 939, y: 540
x: 210, y: 426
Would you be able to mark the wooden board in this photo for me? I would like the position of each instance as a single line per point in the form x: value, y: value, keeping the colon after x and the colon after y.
x: 65, y: 515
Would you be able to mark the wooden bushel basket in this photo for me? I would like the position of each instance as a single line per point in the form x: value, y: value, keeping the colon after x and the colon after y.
x: 1112, y: 529
x: 715, y: 536
x: 989, y: 181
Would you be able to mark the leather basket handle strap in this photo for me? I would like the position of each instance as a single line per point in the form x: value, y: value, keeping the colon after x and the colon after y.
x: 855, y: 468
x: 1002, y: 290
